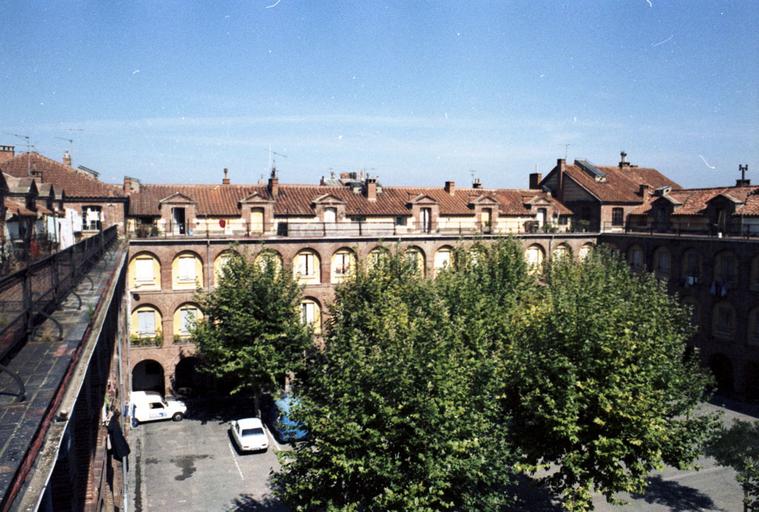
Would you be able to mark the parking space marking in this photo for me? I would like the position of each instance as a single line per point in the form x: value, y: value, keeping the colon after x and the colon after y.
x: 276, y: 445
x: 234, y: 458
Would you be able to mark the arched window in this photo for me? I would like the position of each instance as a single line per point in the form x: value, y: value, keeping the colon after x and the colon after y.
x: 415, y: 256
x: 145, y: 328
x: 561, y: 251
x: 185, y: 318
x: 269, y: 257
x: 343, y: 265
x: 187, y: 271
x: 585, y: 251
x: 307, y: 267
x: 311, y: 314
x: 726, y: 269
x: 535, y: 257
x: 220, y: 262
x: 636, y: 258
x: 723, y: 320
x: 753, y: 327
x: 145, y: 272
x: 662, y: 263
x: 377, y: 256
x: 443, y: 258
x: 691, y: 267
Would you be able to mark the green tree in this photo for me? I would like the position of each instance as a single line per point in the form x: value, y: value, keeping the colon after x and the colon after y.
x: 401, y: 412
x: 251, y: 334
x: 738, y: 447
x: 599, y: 385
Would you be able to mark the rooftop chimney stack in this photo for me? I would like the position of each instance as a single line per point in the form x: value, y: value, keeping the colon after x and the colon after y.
x: 643, y: 190
x: 743, y: 182
x: 450, y: 187
x: 371, y: 189
x: 273, y: 185
x: 225, y: 181
x: 6, y: 153
x: 561, y: 165
x: 476, y: 183
x: 67, y: 158
x: 623, y: 160
x: 535, y: 179
x: 131, y: 185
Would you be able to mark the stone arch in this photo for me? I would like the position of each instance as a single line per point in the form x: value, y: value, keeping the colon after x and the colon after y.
x: 726, y: 268
x: 311, y: 313
x: 561, y: 251
x: 307, y: 266
x: 535, y: 256
x: 376, y: 255
x: 723, y: 320
x: 144, y: 272
x: 184, y: 317
x: 187, y: 379
x: 722, y: 369
x: 342, y: 264
x: 187, y: 271
x: 636, y: 258
x: 443, y: 258
x: 415, y: 255
x: 585, y: 250
x: 146, y: 326
x: 220, y: 261
x: 148, y: 375
x: 662, y: 262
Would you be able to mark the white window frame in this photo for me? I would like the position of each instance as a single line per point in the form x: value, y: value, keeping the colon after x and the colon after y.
x: 143, y: 314
x: 183, y: 265
x: 140, y: 274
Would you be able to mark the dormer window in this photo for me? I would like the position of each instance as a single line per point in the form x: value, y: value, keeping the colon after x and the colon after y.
x: 425, y: 215
x: 330, y: 215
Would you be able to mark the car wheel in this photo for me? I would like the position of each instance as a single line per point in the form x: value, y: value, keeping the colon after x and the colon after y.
x: 177, y: 416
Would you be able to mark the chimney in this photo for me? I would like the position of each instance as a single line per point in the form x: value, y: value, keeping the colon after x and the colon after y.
x: 6, y: 153
x: 450, y: 187
x: 273, y: 185
x: 371, y: 189
x: 225, y: 181
x: 131, y: 185
x: 67, y: 158
x: 36, y: 173
x: 743, y: 182
x: 476, y: 183
x: 561, y: 164
x: 623, y: 160
x: 643, y: 190
x: 535, y: 179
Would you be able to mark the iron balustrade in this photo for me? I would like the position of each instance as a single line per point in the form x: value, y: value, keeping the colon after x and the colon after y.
x: 28, y: 295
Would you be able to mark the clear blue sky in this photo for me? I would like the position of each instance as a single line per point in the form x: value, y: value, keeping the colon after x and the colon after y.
x: 415, y: 92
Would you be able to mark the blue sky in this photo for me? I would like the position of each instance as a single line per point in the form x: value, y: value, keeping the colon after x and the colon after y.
x: 414, y: 92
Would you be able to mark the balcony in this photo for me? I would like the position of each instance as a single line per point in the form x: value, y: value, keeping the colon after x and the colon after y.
x: 352, y: 229
x: 733, y: 231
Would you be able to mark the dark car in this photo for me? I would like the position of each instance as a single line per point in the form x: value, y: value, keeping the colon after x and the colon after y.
x: 281, y: 425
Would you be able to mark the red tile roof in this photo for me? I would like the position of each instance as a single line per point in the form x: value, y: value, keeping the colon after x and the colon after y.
x: 73, y: 182
x: 297, y: 200
x: 694, y: 201
x: 16, y: 208
x: 621, y: 185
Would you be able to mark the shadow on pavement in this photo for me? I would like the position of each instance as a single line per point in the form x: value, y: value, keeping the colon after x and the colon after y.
x: 679, y: 498
x: 218, y: 410
x: 749, y: 409
x: 530, y: 496
x: 245, y: 503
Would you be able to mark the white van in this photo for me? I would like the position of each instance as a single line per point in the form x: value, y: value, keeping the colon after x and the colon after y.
x: 151, y: 406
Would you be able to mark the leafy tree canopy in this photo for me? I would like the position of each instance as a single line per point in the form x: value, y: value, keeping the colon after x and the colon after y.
x: 251, y: 334
x: 738, y: 447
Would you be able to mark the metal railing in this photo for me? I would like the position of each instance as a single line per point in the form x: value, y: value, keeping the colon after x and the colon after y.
x: 731, y: 231
x: 30, y: 294
x: 350, y: 229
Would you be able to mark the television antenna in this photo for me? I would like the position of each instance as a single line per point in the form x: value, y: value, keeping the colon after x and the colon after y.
x: 272, y: 160
x: 566, y: 150
x: 70, y: 141
x: 29, y: 147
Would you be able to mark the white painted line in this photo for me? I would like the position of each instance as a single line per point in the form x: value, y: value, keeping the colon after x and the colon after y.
x: 275, y: 444
x: 694, y: 473
x: 234, y: 458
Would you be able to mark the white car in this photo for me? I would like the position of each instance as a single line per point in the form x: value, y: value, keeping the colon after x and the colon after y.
x: 151, y: 406
x: 249, y: 435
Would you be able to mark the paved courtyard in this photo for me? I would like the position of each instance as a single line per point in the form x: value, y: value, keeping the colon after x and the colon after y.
x: 193, y: 466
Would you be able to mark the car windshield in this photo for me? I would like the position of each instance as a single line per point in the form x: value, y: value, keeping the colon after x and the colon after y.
x: 252, y: 432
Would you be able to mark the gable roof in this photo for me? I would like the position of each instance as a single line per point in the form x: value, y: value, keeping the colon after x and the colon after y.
x: 73, y: 182
x: 298, y: 200
x: 694, y: 201
x: 619, y: 185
